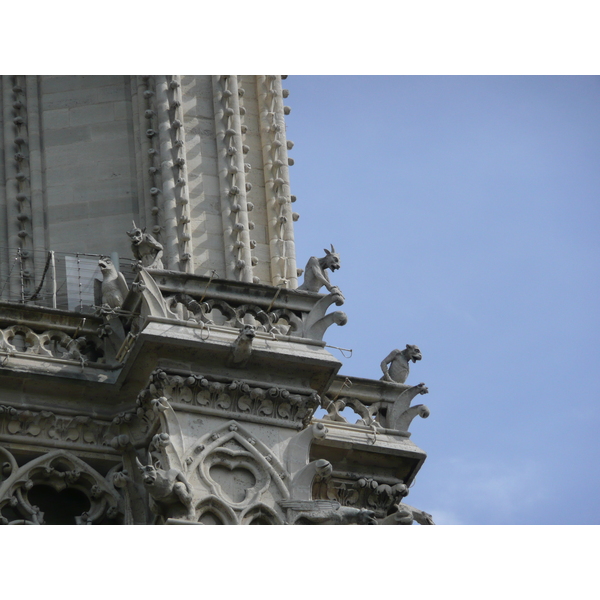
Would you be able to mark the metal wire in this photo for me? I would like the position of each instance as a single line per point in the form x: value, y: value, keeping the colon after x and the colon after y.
x: 74, y: 282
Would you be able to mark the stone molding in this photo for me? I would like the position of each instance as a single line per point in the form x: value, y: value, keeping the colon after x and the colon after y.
x: 380, y: 405
x: 231, y: 396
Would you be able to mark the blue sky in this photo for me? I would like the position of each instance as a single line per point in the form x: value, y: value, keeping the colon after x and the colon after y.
x: 466, y: 213
x: 479, y: 245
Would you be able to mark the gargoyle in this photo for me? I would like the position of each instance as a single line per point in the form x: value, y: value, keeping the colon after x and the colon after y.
x: 170, y: 493
x: 399, y: 361
x: 315, y: 275
x: 327, y: 512
x: 114, y: 286
x: 242, y: 348
x: 145, y: 248
x: 406, y: 514
x: 77, y: 348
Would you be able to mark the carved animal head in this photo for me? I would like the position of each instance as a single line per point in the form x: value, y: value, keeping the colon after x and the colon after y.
x: 403, y: 515
x: 331, y: 260
x: 136, y: 234
x: 411, y: 353
x: 247, y: 333
x: 106, y: 266
x: 149, y: 473
x: 366, y: 517
x: 120, y: 478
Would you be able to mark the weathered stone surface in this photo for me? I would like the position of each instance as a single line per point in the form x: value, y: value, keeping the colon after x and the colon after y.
x: 185, y: 394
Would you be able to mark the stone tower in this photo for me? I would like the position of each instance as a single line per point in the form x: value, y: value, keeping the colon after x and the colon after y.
x: 159, y: 362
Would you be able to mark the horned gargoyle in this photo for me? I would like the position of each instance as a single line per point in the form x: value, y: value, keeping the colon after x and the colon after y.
x: 315, y: 274
x: 241, y: 348
x: 145, y: 248
x: 399, y: 361
x: 170, y: 493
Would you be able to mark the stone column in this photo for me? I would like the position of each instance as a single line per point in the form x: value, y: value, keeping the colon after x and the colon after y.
x: 232, y: 181
x: 277, y: 185
x: 166, y: 166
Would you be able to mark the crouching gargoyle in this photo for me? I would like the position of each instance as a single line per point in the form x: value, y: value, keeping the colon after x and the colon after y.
x: 170, y: 493
x: 399, y: 361
x: 145, y: 248
x: 315, y: 274
x: 241, y: 349
x: 315, y: 277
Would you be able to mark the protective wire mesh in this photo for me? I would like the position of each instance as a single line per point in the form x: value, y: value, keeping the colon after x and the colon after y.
x: 62, y: 280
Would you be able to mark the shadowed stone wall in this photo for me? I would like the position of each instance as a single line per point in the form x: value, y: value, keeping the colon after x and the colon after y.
x: 200, y: 161
x: 91, y: 188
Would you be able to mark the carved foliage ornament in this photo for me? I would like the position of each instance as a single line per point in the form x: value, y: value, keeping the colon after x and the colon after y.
x: 214, y: 311
x: 79, y: 429
x: 232, y: 396
x: 52, y: 343
x: 361, y: 493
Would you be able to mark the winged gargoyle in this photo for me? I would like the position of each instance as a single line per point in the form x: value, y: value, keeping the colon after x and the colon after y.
x: 326, y: 512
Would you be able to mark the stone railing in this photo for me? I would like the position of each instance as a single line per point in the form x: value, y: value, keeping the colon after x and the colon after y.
x: 210, y: 301
x: 379, y: 405
x: 51, y: 334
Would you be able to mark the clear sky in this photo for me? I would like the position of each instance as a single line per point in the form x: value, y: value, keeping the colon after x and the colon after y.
x: 466, y: 214
x: 478, y: 243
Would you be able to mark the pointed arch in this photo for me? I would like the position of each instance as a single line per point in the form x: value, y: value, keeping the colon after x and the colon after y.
x: 232, y: 447
x: 213, y: 509
x: 260, y: 514
x: 60, y: 479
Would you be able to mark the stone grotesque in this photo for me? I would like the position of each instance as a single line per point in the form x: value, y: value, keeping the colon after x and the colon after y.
x: 242, y: 347
x: 399, y: 361
x: 114, y: 286
x: 327, y: 512
x: 315, y: 275
x: 405, y: 514
x: 145, y: 248
x: 170, y: 493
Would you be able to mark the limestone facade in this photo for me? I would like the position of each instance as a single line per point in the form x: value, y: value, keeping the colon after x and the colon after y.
x: 159, y: 361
